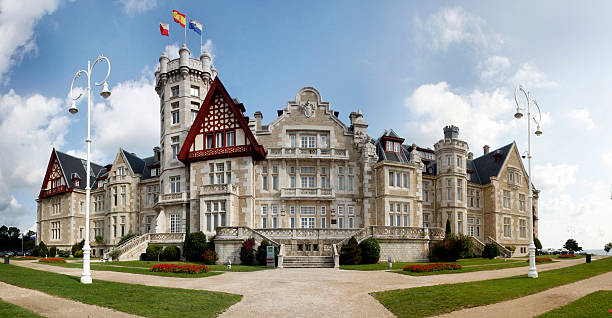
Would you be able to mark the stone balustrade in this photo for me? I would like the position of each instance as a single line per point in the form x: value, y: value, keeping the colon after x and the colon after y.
x: 212, y: 189
x: 322, y: 153
x: 169, y: 197
x: 313, y: 193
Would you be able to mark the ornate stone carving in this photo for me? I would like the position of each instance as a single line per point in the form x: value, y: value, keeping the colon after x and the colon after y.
x: 308, y: 108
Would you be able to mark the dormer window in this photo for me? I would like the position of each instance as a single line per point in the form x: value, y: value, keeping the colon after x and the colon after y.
x: 392, y: 146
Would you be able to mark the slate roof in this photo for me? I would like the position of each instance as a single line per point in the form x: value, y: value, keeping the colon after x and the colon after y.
x: 139, y: 165
x: 403, y: 156
x: 486, y: 166
x: 71, y: 164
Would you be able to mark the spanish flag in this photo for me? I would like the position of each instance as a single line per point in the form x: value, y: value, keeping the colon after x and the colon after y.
x: 179, y: 18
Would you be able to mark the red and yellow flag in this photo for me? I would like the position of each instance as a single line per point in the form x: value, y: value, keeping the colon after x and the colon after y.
x: 179, y: 18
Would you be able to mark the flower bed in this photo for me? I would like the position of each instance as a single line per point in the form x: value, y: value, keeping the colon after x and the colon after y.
x: 436, y: 267
x: 52, y: 260
x: 542, y: 259
x: 173, y: 268
x: 25, y: 257
x: 567, y: 256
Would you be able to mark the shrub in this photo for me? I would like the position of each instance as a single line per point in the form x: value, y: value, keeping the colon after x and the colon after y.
x: 52, y: 251
x: 194, y: 247
x: 448, y: 227
x: 370, y: 251
x: 451, y: 248
x: 78, y: 246
x: 99, y: 239
x: 432, y: 267
x: 114, y: 255
x: 511, y: 248
x: 63, y: 253
x: 171, y: 253
x: 262, y: 253
x: 247, y: 252
x: 567, y: 256
x: 78, y: 254
x: 143, y: 256
x: 537, y: 243
x: 52, y: 260
x: 40, y: 250
x: 25, y: 257
x: 490, y: 251
x: 542, y: 259
x: 210, y: 257
x: 153, y: 252
x: 122, y: 240
x: 173, y: 268
x: 350, y: 254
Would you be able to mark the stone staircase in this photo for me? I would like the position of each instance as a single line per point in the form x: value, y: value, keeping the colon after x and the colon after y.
x: 308, y: 261
x: 131, y: 249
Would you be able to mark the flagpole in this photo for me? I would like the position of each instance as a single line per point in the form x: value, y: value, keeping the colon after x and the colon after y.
x: 201, y: 34
x: 185, y: 27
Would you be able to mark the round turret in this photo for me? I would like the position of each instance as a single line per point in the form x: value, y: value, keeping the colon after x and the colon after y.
x: 184, y: 60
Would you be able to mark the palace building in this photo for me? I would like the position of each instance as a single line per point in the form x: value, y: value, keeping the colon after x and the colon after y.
x: 307, y: 181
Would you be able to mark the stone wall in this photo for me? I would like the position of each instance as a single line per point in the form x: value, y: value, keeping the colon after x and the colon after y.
x: 401, y: 250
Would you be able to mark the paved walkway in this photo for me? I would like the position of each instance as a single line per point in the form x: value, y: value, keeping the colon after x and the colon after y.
x: 51, y: 306
x: 303, y: 292
x: 541, y: 302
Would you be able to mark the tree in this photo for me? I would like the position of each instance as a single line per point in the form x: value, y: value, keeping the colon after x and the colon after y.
x: 608, y: 247
x: 537, y: 243
x: 448, y: 227
x: 194, y: 246
x: 77, y: 247
x: 350, y: 254
x: 247, y: 252
x: 572, y: 246
x: 490, y: 251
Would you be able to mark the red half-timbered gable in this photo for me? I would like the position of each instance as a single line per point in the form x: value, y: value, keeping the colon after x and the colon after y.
x: 220, y: 130
x: 55, y: 181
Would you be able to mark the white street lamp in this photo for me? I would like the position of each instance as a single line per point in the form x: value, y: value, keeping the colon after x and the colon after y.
x: 533, y: 273
x: 86, y: 275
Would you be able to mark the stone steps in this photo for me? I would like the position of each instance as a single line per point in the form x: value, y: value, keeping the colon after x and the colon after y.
x: 308, y: 261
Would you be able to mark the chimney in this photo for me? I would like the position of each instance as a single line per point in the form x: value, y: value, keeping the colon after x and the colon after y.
x: 258, y: 117
x: 485, y: 149
x: 451, y: 132
x: 156, y: 153
x: 470, y: 155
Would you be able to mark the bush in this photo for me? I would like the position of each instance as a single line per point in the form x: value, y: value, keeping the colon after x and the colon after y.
x: 122, y: 240
x: 370, y: 251
x: 262, y: 254
x: 153, y: 252
x: 52, y: 251
x: 350, y: 254
x: 537, y: 243
x: 78, y: 247
x: 511, y: 248
x: 78, y: 254
x: 171, y: 253
x: 448, y: 227
x: 194, y: 247
x: 99, y: 239
x: 63, y: 253
x: 210, y: 257
x: 114, y: 255
x: 490, y: 251
x: 451, y: 248
x: 247, y: 252
x: 40, y: 250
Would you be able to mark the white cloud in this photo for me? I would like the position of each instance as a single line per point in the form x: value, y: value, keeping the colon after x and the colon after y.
x: 130, y: 119
x: 581, y: 117
x: 606, y: 158
x: 210, y: 47
x: 133, y: 7
x: 554, y: 177
x: 451, y: 26
x: 530, y: 77
x: 494, y: 67
x: 172, y: 51
x: 17, y: 22
x: 482, y: 117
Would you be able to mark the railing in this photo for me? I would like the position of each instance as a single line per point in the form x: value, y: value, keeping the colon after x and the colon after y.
x: 319, y: 193
x: 53, y: 191
x: 242, y: 232
x: 128, y: 245
x: 180, y: 196
x: 436, y: 233
x: 220, y: 151
x: 332, y: 153
x: 308, y: 233
x: 219, y: 189
x: 502, y: 249
x: 145, y: 238
x: 478, y: 245
x: 166, y: 237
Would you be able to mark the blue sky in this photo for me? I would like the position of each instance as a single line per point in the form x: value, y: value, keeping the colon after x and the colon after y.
x: 410, y: 66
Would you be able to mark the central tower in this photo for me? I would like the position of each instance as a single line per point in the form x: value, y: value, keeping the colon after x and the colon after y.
x: 181, y: 85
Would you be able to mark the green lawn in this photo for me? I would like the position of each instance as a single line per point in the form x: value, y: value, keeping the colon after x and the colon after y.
x: 439, y: 299
x: 148, y: 301
x: 8, y: 310
x: 400, y: 265
x: 467, y: 269
x: 597, y: 304
x: 143, y: 271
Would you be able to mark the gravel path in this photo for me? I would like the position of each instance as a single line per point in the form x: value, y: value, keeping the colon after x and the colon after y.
x: 541, y: 302
x: 302, y: 292
x: 51, y: 306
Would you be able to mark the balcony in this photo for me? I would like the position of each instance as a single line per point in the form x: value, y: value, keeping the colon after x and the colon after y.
x: 53, y: 191
x: 167, y: 198
x: 308, y: 193
x: 212, y: 189
x: 316, y: 153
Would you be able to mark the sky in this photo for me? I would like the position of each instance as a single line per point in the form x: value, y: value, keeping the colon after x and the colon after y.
x: 410, y: 66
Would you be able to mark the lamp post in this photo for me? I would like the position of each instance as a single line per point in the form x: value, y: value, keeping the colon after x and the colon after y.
x: 533, y: 273
x: 86, y: 275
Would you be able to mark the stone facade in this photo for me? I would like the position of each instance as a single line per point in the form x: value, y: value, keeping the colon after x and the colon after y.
x: 216, y: 167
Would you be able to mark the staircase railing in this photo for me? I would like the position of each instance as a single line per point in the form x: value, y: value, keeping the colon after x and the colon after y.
x: 502, y: 249
x: 127, y: 245
x: 478, y: 245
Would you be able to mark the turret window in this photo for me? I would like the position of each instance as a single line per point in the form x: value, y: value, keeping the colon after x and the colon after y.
x: 175, y: 117
x: 175, y: 147
x: 195, y: 91
x: 175, y: 91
